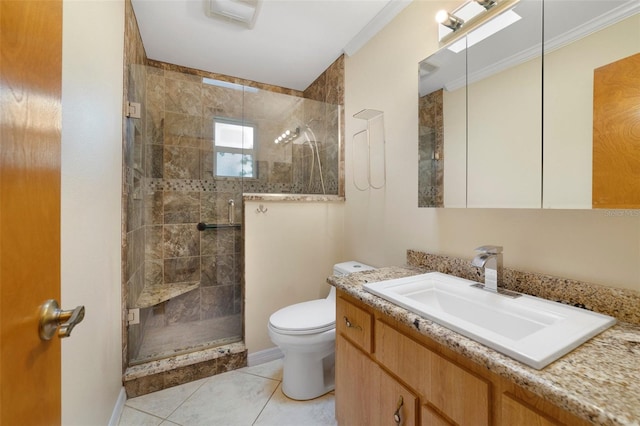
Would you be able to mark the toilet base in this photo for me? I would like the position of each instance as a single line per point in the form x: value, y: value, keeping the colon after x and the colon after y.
x: 306, y: 377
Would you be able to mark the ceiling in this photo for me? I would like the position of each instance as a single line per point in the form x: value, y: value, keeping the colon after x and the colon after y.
x: 290, y: 45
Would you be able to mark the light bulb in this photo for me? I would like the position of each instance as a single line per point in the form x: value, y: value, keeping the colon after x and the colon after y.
x: 442, y: 16
x: 448, y: 20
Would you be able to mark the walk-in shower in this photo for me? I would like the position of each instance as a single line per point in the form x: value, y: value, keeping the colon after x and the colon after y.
x: 198, y: 146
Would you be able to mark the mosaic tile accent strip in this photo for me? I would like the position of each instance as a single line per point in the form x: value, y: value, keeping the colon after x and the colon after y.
x: 599, y: 381
x: 622, y: 304
x: 228, y: 185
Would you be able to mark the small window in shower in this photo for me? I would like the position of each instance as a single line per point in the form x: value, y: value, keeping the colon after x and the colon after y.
x: 234, y: 149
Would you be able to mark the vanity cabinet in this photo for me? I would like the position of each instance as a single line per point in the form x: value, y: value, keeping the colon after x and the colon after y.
x: 368, y: 395
x: 446, y: 387
x: 383, y: 365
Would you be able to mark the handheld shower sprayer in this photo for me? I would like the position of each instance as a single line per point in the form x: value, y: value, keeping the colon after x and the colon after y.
x: 304, y: 137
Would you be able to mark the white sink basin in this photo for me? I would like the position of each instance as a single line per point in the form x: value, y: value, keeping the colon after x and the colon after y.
x: 532, y: 330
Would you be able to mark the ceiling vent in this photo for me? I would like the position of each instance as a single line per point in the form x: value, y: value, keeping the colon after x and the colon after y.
x: 241, y: 12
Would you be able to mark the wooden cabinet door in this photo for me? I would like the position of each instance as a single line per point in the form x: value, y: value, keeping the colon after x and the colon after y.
x: 431, y: 418
x: 515, y: 412
x: 456, y: 392
x: 396, y: 404
x: 353, y: 384
x: 366, y: 395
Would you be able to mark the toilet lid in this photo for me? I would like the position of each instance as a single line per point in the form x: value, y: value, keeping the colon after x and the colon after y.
x: 314, y: 316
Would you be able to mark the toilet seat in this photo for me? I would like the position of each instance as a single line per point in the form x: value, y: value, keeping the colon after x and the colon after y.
x: 314, y: 316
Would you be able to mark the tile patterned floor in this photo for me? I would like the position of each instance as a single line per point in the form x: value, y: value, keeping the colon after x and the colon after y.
x: 248, y: 396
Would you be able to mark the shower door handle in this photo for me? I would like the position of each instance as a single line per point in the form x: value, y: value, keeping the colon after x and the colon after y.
x: 232, y: 212
x: 52, y: 318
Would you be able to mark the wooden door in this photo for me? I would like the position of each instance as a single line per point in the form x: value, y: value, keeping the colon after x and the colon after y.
x: 616, y: 135
x: 30, y: 84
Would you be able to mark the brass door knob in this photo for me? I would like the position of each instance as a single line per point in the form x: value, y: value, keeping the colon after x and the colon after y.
x: 52, y: 318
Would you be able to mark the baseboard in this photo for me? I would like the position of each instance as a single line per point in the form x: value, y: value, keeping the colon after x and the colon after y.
x: 117, y: 410
x: 260, y: 357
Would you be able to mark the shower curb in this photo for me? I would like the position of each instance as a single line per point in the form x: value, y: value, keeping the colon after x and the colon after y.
x: 165, y: 373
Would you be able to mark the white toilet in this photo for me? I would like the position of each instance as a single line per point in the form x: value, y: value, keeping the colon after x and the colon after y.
x: 306, y: 334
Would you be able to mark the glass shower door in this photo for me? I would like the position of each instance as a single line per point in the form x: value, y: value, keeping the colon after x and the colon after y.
x: 184, y: 281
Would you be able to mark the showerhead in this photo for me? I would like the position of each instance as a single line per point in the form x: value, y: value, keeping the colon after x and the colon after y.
x: 302, y: 139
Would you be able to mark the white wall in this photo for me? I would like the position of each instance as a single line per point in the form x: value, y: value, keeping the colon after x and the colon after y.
x: 289, y: 252
x: 595, y: 246
x: 454, y: 112
x: 505, y: 138
x: 92, y: 78
x: 501, y: 121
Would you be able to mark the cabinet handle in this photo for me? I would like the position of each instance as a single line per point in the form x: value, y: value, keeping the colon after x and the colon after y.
x: 396, y: 415
x: 349, y: 325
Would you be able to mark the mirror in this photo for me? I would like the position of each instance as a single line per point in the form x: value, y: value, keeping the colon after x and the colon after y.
x: 572, y: 149
x: 493, y: 135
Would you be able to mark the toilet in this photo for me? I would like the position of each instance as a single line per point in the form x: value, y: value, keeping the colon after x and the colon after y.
x: 306, y: 335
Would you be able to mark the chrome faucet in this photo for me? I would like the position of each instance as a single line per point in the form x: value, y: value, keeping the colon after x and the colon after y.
x: 490, y: 258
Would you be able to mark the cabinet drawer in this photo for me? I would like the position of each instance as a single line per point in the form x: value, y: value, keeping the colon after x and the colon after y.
x: 354, y: 323
x: 457, y: 393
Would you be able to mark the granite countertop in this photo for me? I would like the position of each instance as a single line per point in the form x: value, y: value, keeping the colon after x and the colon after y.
x: 599, y: 381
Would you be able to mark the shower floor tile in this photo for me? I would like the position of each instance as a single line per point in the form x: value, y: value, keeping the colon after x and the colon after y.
x: 248, y: 396
x: 162, y: 342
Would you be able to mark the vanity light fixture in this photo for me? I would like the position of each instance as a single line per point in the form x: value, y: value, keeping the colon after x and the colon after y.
x: 241, y: 12
x: 486, y: 30
x: 487, y: 4
x: 448, y: 20
x: 472, y: 15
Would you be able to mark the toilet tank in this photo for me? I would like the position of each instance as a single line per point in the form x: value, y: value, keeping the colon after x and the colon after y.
x: 346, y: 268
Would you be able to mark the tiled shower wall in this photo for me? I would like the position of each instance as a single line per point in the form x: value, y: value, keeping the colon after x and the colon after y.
x: 329, y: 88
x: 280, y: 169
